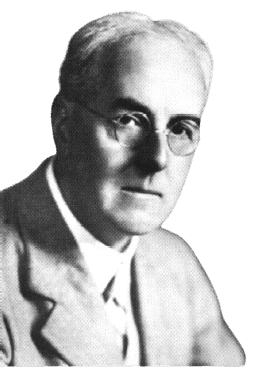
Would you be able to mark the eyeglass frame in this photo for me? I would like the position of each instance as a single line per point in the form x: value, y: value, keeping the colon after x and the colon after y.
x: 151, y: 131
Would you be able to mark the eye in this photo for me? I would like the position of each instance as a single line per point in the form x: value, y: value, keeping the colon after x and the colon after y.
x: 132, y: 121
x: 128, y: 120
x: 184, y: 129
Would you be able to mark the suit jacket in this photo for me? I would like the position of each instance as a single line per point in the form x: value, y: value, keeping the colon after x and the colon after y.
x: 52, y: 313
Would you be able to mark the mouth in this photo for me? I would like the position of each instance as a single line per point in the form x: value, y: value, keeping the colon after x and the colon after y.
x: 141, y: 191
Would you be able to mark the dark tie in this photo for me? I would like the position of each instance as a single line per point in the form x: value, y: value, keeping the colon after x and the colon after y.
x: 124, y: 329
x: 119, y: 313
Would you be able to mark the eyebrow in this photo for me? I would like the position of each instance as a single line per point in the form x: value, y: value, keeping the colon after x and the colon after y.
x: 128, y: 103
x: 180, y: 117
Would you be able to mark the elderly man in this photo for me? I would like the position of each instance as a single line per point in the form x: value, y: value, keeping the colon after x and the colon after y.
x: 89, y: 276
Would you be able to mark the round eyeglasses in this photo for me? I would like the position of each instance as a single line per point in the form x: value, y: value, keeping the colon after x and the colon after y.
x: 133, y: 130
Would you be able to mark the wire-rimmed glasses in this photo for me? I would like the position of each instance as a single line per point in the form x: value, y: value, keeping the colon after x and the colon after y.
x: 133, y: 130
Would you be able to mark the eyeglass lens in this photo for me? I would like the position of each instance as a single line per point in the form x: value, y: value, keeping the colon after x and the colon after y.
x: 132, y: 130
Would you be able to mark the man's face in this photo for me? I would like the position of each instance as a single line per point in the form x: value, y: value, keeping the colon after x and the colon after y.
x: 134, y: 190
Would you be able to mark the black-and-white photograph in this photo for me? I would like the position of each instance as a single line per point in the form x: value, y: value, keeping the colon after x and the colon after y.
x: 126, y: 183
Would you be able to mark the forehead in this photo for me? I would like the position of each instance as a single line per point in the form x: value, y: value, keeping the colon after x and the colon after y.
x: 157, y: 72
x: 147, y: 50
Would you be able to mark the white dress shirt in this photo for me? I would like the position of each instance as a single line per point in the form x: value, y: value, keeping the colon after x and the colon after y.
x: 104, y: 263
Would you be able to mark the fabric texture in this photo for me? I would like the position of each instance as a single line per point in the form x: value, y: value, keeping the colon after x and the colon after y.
x: 53, y: 314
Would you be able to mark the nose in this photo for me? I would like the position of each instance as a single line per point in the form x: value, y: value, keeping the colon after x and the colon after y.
x: 153, y: 155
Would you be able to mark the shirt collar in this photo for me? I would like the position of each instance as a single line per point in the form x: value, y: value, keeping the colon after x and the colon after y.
x: 102, y: 261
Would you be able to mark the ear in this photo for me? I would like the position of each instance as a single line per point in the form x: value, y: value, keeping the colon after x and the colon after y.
x: 60, y: 116
x: 62, y: 129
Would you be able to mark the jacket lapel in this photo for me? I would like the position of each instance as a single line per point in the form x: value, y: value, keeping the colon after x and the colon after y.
x: 76, y: 326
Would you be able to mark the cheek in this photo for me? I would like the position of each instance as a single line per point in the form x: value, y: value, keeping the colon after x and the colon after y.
x: 177, y: 172
x: 97, y: 153
x: 108, y: 194
x: 109, y: 153
x: 182, y: 169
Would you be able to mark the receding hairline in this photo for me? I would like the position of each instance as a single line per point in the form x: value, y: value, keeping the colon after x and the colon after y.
x: 83, y: 70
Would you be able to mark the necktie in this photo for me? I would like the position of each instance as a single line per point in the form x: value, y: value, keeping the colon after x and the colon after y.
x: 122, y: 324
x: 117, y: 313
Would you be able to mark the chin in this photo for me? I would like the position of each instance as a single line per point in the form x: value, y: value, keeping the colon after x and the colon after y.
x: 139, y: 225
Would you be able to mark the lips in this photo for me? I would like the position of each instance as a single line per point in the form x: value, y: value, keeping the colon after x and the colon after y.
x: 134, y: 189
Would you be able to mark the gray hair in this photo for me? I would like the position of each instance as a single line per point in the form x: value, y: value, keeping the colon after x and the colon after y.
x: 83, y: 71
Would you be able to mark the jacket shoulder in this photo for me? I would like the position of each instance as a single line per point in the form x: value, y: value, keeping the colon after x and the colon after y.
x: 166, y: 245
x: 170, y: 256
